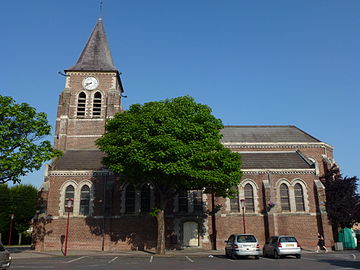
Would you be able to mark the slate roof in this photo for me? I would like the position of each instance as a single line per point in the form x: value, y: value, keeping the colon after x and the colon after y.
x: 279, y: 160
x: 96, y: 55
x: 78, y: 160
x: 265, y: 134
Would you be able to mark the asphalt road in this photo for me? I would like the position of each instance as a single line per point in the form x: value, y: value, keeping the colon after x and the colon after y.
x: 330, y: 261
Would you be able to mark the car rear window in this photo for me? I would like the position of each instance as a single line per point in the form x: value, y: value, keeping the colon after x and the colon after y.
x: 288, y: 239
x: 246, y: 239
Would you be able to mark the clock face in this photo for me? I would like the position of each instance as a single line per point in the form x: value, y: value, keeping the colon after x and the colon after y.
x: 90, y: 83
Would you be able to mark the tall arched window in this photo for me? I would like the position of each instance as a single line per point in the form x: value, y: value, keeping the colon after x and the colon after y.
x: 69, y: 194
x: 284, y: 198
x: 97, y: 105
x: 299, y: 198
x: 145, y: 199
x: 183, y: 201
x: 130, y: 199
x: 249, y: 198
x: 234, y: 202
x: 81, y: 106
x: 85, y: 200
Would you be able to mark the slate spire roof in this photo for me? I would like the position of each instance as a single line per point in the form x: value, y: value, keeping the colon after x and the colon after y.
x: 96, y: 55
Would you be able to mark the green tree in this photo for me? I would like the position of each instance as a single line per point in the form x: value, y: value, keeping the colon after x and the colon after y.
x: 174, y: 145
x: 22, y: 148
x: 342, y: 200
x: 20, y: 200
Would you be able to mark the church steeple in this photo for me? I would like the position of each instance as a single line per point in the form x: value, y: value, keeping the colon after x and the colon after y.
x: 96, y: 55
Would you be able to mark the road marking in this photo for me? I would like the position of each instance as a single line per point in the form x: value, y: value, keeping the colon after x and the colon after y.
x: 231, y: 260
x: 33, y: 267
x: 189, y: 259
x: 113, y: 260
x: 354, y: 256
x: 151, y: 259
x: 77, y: 259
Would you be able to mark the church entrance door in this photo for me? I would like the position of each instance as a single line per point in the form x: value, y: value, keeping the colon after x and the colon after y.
x: 191, y: 234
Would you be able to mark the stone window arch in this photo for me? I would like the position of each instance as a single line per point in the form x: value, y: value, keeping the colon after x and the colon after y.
x: 96, y: 106
x: 81, y: 105
x: 284, y: 198
x: 251, y: 200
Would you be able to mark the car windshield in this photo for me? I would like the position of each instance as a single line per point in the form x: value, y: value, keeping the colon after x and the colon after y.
x: 246, y: 239
x: 288, y: 239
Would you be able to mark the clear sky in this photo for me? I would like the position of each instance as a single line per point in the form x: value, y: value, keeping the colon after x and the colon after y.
x: 255, y: 62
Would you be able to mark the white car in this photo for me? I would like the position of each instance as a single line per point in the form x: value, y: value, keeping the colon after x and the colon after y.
x: 282, y: 245
x: 242, y: 245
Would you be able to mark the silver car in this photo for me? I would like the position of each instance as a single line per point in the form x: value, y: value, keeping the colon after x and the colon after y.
x: 242, y: 245
x: 282, y: 245
x: 5, y: 259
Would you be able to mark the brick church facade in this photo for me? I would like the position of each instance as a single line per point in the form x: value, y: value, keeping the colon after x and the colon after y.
x: 281, y: 185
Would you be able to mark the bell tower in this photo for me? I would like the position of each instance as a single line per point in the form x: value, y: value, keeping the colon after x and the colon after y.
x: 92, y: 94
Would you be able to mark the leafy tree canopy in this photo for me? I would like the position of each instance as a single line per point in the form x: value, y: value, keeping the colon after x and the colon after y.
x: 173, y: 144
x: 342, y: 200
x: 21, y: 147
x: 20, y: 200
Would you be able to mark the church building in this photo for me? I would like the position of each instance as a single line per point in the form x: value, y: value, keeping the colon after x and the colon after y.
x: 280, y: 193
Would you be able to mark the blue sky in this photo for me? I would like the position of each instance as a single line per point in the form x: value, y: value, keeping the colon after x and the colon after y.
x: 255, y: 62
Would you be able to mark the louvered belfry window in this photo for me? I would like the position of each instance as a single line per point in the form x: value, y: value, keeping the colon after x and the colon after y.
x: 299, y: 198
x: 97, y: 105
x: 81, y: 106
x: 249, y: 198
x: 284, y: 198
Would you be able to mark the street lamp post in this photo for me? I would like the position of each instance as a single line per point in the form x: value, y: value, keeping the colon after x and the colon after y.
x: 11, y: 225
x: 242, y: 204
x: 69, y: 204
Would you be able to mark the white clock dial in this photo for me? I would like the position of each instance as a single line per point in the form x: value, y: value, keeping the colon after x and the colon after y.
x: 90, y: 83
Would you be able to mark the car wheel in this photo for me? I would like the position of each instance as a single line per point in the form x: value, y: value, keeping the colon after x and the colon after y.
x: 227, y: 254
x: 298, y: 256
x: 276, y: 255
x: 256, y: 257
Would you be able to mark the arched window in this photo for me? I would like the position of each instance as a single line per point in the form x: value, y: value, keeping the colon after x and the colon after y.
x: 97, y: 105
x: 81, y: 106
x: 145, y: 199
x: 183, y: 201
x: 85, y: 200
x: 249, y: 198
x: 284, y: 198
x: 299, y: 198
x: 69, y: 194
x: 234, y: 202
x: 130, y: 199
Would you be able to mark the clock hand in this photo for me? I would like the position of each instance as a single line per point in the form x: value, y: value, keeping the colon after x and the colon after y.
x: 86, y: 84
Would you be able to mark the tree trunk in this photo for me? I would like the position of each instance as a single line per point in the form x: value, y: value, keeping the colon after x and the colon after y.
x: 20, y: 236
x: 160, y: 247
